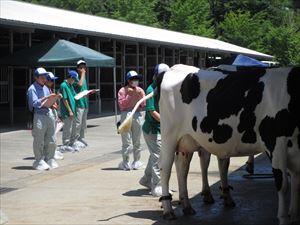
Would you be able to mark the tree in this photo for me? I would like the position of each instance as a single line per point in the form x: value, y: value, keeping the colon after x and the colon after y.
x: 191, y: 16
x: 136, y: 11
x: 245, y: 30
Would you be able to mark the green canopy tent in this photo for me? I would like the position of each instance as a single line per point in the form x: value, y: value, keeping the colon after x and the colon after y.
x: 60, y: 53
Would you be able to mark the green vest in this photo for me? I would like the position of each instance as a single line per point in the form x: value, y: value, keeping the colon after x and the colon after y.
x: 68, y: 94
x: 151, y: 125
x: 82, y: 102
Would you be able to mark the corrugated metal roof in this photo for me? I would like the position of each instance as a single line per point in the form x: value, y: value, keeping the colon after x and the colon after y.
x: 42, y: 17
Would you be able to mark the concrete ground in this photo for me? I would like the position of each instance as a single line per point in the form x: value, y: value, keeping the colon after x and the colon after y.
x: 88, y: 188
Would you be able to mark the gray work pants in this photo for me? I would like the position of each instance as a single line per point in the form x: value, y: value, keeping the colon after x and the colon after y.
x: 152, y: 173
x: 81, y: 122
x: 43, y: 133
x: 69, y: 131
x: 134, y: 136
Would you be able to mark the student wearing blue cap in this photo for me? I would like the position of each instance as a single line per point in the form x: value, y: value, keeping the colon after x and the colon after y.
x: 50, y: 84
x: 43, y: 122
x: 151, y: 131
x: 128, y: 96
x: 68, y: 109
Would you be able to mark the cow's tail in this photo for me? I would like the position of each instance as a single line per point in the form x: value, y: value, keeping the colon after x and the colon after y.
x: 126, y: 125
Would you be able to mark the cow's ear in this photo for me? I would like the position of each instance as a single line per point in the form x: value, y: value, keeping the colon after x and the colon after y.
x: 190, y: 88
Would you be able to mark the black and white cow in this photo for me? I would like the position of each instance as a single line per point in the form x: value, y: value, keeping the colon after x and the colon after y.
x: 234, y: 113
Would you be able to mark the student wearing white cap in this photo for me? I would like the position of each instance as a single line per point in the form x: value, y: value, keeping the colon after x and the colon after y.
x: 151, y: 131
x: 128, y: 96
x: 82, y: 103
x: 43, y: 122
x: 68, y: 109
x: 50, y: 84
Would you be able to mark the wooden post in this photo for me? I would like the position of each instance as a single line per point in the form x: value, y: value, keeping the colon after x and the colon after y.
x: 11, y: 79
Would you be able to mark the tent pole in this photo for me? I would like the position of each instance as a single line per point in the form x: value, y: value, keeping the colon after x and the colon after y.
x: 115, y: 83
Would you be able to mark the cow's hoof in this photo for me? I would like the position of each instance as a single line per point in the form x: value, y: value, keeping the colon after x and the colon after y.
x: 250, y: 167
x: 208, y: 199
x: 189, y: 211
x: 169, y: 216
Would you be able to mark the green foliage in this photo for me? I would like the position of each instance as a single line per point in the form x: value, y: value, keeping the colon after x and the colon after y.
x: 136, y: 11
x: 245, y: 30
x: 191, y: 16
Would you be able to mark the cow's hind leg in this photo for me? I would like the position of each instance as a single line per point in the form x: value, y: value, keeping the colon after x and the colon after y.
x: 225, y: 188
x: 295, y: 198
x: 166, y: 160
x: 204, y: 163
x: 182, y: 162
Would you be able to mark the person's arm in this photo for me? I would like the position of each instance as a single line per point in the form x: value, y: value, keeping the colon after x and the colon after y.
x: 82, y: 73
x: 142, y: 95
x: 66, y: 103
x: 34, y: 101
x: 155, y: 115
x: 124, y: 99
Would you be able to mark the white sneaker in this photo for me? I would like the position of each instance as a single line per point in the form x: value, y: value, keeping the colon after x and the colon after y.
x: 144, y: 182
x: 83, y: 141
x: 136, y: 165
x: 58, y: 155
x: 66, y: 148
x: 124, y: 166
x: 52, y: 164
x: 77, y: 146
x: 40, y: 165
x: 156, y: 191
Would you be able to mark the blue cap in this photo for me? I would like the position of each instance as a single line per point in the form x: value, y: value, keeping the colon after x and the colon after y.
x: 132, y: 74
x: 242, y: 60
x: 51, y: 77
x: 159, y: 68
x: 73, y: 74
x: 40, y: 72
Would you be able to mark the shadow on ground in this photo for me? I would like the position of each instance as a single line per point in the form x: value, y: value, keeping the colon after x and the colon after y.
x: 22, y: 168
x: 256, y: 202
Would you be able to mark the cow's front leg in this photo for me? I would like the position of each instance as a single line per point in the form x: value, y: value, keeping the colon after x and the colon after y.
x: 166, y: 161
x: 225, y: 188
x: 204, y: 163
x: 295, y: 198
x: 182, y: 162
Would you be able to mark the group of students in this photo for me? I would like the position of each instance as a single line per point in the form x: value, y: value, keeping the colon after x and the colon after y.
x: 48, y: 118
x: 128, y: 96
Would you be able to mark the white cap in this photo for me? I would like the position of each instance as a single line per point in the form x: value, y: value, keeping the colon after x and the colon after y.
x: 40, y: 71
x: 160, y: 68
x: 81, y: 62
x: 51, y: 76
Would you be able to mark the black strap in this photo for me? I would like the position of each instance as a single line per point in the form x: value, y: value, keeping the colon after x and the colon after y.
x: 163, y: 198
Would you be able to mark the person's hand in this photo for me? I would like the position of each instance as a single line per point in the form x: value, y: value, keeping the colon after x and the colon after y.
x: 51, y: 95
x: 81, y: 70
x: 71, y: 114
x: 130, y: 90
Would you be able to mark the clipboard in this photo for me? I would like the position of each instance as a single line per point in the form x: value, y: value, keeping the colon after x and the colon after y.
x: 85, y: 93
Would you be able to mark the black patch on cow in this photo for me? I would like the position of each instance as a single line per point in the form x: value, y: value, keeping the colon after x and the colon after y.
x: 190, y: 88
x: 290, y: 144
x: 222, y: 133
x: 239, y: 90
x: 210, y: 140
x: 271, y: 128
x: 278, y: 178
x: 194, y: 123
x: 293, y: 84
x: 286, y: 120
x: 159, y: 80
x: 247, y: 117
